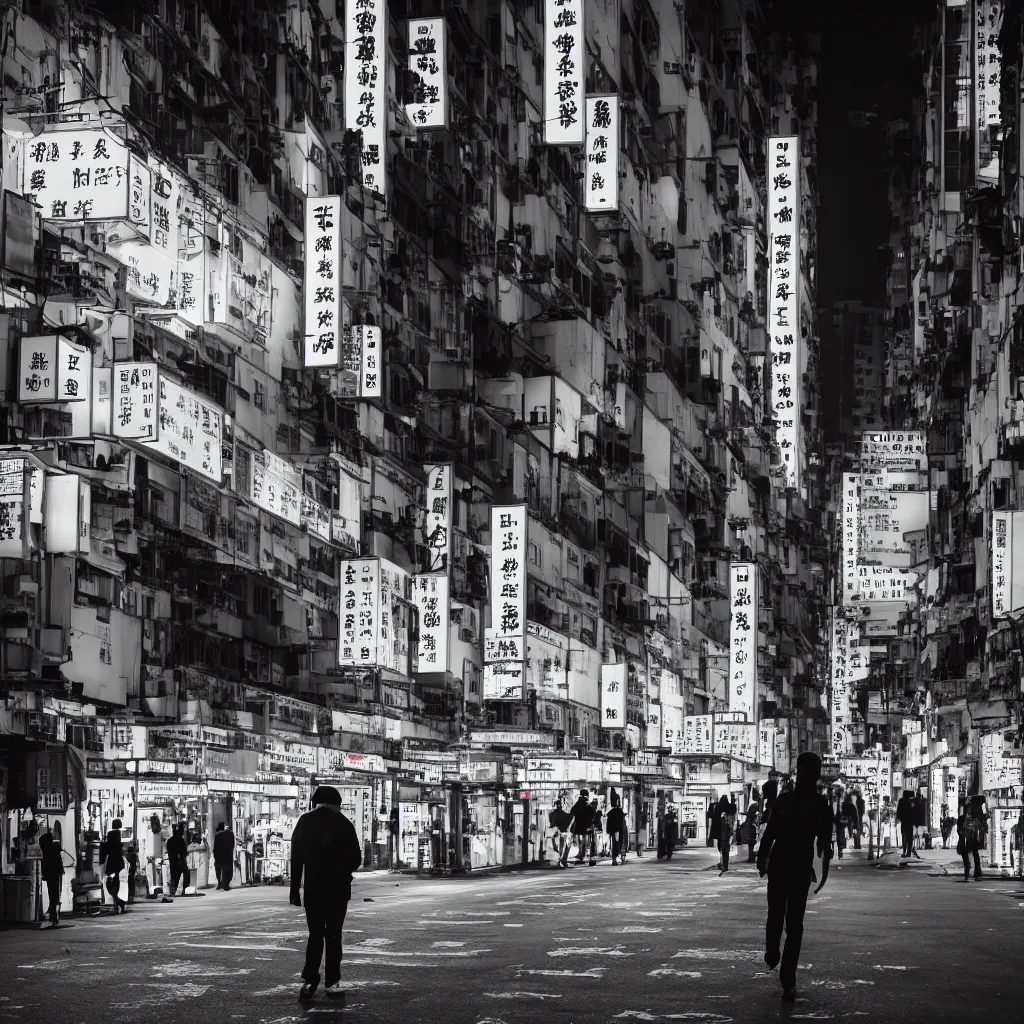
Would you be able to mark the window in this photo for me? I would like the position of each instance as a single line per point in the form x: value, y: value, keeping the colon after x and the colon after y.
x: 259, y: 395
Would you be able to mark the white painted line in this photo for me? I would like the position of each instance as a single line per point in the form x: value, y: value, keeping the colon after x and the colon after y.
x: 522, y: 995
x: 590, y: 951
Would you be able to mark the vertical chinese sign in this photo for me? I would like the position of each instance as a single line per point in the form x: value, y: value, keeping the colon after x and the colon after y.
x: 321, y: 281
x: 359, y: 612
x: 602, y: 146
x: 437, y: 528
x: 14, y: 503
x: 743, y: 639
x: 564, y: 73
x: 988, y: 59
x: 366, y: 108
x: 783, y: 176
x: 428, y: 62
x: 840, y: 685
x: 1007, y: 563
x: 135, y: 401
x: 505, y: 639
x: 430, y: 594
x: 850, y: 528
x: 613, y: 696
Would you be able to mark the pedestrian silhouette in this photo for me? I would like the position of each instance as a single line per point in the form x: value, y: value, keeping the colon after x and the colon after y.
x: 326, y: 848
x: 800, y: 820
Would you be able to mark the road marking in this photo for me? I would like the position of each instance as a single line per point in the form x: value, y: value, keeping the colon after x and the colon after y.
x: 522, y: 995
x: 671, y: 972
x: 447, y: 944
x: 692, y: 1015
x: 893, y: 967
x: 591, y: 972
x: 636, y: 929
x: 590, y: 951
x: 719, y: 954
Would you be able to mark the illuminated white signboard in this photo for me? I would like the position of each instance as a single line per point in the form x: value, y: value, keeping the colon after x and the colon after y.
x: 427, y: 60
x: 366, y: 79
x: 431, y: 596
x: 850, y: 527
x: 276, y: 487
x: 840, y: 699
x: 783, y: 180
x: 135, y: 401
x: 696, y: 735
x: 321, y: 281
x: 988, y: 60
x: 743, y: 639
x: 85, y: 175
x: 736, y: 739
x: 1007, y: 563
x: 506, y: 637
x: 359, y: 612
x: 613, y: 696
x: 564, y: 73
x: 12, y: 508
x: 190, y: 429
x: 602, y: 148
x: 438, y: 526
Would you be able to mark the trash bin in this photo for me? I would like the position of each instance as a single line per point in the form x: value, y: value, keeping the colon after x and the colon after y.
x: 19, y: 898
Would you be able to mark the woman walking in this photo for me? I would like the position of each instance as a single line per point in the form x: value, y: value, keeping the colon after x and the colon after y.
x: 114, y: 864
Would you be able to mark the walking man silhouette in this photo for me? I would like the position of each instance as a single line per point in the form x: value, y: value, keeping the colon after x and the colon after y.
x: 800, y: 819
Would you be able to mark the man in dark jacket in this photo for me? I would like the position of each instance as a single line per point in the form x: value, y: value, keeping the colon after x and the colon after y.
x: 905, y: 816
x: 581, y: 820
x: 52, y: 871
x: 224, y: 856
x: 326, y: 848
x: 800, y: 819
x: 177, y: 859
x: 615, y: 823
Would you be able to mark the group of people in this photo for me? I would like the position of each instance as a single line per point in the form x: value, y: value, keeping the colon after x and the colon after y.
x: 581, y: 826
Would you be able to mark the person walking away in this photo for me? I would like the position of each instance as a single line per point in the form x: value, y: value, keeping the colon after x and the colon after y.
x: 615, y: 824
x: 726, y: 828
x: 799, y: 820
x: 224, y: 856
x: 848, y: 817
x: 905, y: 816
x: 861, y: 808
x: 837, y: 817
x: 971, y: 828
x: 560, y: 819
x: 52, y: 870
x: 132, y: 859
x: 750, y: 824
x: 919, y: 819
x: 581, y: 823
x: 177, y: 860
x: 595, y: 830
x: 671, y: 830
x: 641, y: 828
x: 326, y: 849
x: 114, y: 864
x: 948, y: 821
x: 715, y: 833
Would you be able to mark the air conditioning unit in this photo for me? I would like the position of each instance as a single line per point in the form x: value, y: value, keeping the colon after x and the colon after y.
x: 467, y: 635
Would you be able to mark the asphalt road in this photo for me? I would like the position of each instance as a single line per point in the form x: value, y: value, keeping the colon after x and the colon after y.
x: 646, y: 942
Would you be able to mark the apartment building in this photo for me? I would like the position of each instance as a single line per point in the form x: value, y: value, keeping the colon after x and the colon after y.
x: 937, y: 686
x: 420, y: 398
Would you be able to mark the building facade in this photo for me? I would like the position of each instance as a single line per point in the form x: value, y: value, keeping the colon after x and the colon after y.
x: 414, y: 397
x: 936, y: 685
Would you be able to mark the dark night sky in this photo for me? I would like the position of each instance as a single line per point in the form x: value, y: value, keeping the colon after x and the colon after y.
x: 864, y: 68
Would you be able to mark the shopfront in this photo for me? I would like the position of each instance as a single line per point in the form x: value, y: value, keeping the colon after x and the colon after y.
x: 164, y: 803
x: 365, y: 788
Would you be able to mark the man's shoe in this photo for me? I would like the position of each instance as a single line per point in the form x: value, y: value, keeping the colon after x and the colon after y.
x: 335, y: 991
x: 772, y: 960
x: 308, y: 990
x: 789, y: 994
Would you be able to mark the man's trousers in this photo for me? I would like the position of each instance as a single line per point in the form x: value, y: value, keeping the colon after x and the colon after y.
x: 787, y: 901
